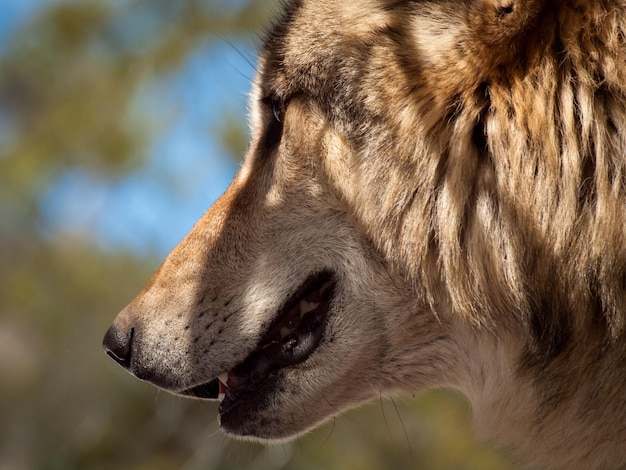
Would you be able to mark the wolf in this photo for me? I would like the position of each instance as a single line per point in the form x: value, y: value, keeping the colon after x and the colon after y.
x: 434, y: 195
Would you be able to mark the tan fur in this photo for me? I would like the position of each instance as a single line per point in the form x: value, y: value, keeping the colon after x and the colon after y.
x: 460, y: 167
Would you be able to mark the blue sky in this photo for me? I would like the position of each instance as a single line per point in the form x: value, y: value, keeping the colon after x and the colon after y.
x: 14, y: 12
x: 150, y: 210
x: 187, y: 170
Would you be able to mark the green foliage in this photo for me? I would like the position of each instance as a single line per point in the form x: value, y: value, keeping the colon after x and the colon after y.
x: 68, y: 88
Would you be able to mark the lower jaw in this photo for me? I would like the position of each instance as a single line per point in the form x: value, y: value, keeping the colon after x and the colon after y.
x: 250, y: 400
x: 294, y: 336
x: 235, y: 412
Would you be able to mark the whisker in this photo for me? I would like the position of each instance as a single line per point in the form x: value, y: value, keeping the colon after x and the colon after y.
x: 332, y: 430
x: 241, y: 54
x: 406, y: 435
x: 382, y: 409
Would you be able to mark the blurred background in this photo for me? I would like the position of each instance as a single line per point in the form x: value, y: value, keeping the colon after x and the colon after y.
x: 121, y: 121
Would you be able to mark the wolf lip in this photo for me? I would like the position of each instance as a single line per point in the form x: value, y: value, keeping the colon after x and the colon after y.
x: 291, y: 339
x: 209, y: 390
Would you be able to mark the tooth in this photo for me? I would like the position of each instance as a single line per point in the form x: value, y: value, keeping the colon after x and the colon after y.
x: 223, y: 379
x: 325, y: 287
x: 306, y: 307
x: 284, y: 331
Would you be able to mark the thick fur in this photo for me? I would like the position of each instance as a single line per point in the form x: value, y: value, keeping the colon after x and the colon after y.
x: 461, y: 167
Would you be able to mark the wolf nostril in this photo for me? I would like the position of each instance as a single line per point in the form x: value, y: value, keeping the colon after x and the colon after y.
x: 117, y: 344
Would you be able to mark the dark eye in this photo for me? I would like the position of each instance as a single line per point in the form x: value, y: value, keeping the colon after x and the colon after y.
x: 278, y: 108
x: 274, y: 130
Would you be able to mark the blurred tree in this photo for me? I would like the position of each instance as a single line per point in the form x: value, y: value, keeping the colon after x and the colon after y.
x: 69, y: 81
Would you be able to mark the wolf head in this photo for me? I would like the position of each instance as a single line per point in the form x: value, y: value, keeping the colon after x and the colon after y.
x: 433, y: 195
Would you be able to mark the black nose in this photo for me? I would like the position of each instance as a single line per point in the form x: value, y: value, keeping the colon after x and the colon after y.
x: 118, y: 345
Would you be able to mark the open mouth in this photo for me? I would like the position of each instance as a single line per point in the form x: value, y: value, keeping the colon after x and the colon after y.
x: 290, y: 340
